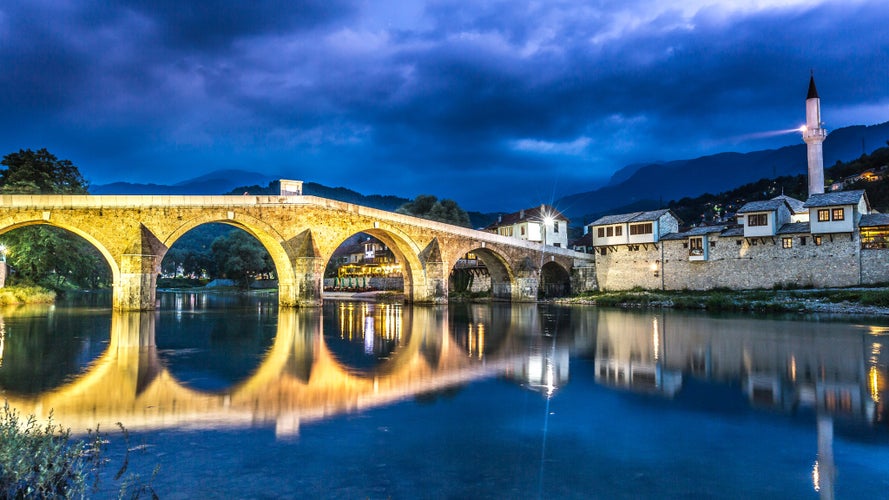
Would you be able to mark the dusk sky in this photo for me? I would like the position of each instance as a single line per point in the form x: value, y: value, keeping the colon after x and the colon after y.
x: 497, y: 105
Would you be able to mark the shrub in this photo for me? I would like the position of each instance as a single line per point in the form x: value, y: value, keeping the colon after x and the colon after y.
x: 41, y: 461
x: 44, y: 462
x: 26, y: 295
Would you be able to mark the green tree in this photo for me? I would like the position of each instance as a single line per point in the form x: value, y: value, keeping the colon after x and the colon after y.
x: 43, y: 254
x: 429, y: 207
x: 240, y: 257
x: 40, y: 172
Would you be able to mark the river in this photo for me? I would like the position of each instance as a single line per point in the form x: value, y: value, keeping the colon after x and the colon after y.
x: 232, y: 397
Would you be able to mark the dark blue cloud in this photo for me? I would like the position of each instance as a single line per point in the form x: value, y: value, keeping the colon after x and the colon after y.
x: 495, y: 104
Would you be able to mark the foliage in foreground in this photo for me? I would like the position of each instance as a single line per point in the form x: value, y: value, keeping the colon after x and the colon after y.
x: 42, y: 461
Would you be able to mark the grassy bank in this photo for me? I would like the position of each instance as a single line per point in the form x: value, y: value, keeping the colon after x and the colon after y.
x: 12, y: 295
x: 820, y: 300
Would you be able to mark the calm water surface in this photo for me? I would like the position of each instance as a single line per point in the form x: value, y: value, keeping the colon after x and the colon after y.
x: 234, y: 398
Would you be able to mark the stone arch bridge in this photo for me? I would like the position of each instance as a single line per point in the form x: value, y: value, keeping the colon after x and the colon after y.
x: 300, y: 233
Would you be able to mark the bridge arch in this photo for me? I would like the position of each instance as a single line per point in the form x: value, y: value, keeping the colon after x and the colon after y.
x: 555, y: 280
x: 501, y: 273
x: 406, y: 251
x: 12, y: 223
x: 267, y: 236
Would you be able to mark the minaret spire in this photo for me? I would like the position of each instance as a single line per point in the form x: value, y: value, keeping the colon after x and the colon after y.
x: 814, y: 135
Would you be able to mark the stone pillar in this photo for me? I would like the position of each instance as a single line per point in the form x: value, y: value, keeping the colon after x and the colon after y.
x: 307, y: 285
x: 525, y: 289
x: 436, y: 289
x: 136, y: 288
x: 583, y: 278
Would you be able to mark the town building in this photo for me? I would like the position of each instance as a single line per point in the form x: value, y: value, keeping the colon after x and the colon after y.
x: 542, y: 224
x: 830, y: 240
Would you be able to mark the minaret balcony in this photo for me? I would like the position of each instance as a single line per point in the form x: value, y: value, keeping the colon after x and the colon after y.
x: 814, y: 133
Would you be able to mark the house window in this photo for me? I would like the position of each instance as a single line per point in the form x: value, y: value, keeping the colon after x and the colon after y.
x: 802, y: 241
x: 645, y: 228
x: 758, y: 220
x: 555, y: 227
x: 696, y: 246
x: 609, y: 231
x: 823, y: 215
x: 618, y: 230
x: 787, y: 242
x: 600, y: 232
x: 838, y: 214
x: 816, y: 240
x: 875, y: 237
x: 557, y: 244
x: 523, y: 230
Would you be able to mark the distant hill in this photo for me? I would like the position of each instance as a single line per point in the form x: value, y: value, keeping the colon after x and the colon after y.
x: 216, y: 182
x: 715, y: 173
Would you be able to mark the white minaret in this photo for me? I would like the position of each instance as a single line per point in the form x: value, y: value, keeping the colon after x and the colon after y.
x: 813, y: 135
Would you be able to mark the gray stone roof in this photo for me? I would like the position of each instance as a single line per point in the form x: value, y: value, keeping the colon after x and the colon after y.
x: 871, y: 220
x: 795, y: 228
x: 835, y: 198
x: 795, y: 205
x: 763, y: 206
x: 650, y: 216
x: 733, y: 231
x: 695, y: 231
x: 673, y: 236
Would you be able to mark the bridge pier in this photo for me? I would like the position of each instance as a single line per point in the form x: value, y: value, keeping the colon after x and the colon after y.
x: 436, y: 288
x: 135, y: 289
x: 307, y: 286
x: 525, y: 289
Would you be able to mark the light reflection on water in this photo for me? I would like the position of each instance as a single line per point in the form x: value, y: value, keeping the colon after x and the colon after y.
x: 379, y: 400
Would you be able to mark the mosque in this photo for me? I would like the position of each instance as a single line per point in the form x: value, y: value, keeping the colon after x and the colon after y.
x: 831, y: 239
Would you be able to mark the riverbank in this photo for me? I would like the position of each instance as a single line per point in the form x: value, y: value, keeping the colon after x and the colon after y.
x: 14, y: 295
x: 852, y: 301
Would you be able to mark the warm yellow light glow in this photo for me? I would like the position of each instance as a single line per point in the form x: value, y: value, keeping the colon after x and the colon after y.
x: 874, y: 381
x: 481, y: 340
x: 655, y: 338
x: 793, y: 368
x: 654, y: 266
x: 816, y: 477
x: 803, y: 129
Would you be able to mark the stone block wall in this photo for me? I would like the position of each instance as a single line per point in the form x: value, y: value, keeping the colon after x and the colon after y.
x: 744, y: 263
x: 874, y: 266
x: 623, y: 268
x: 764, y: 263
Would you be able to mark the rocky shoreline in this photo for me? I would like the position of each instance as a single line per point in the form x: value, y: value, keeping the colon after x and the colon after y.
x: 849, y: 301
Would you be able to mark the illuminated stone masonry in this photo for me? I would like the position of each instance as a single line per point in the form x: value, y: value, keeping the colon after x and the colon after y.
x: 300, y: 233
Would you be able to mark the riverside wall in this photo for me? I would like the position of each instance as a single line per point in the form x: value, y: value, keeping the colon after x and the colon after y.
x: 744, y: 263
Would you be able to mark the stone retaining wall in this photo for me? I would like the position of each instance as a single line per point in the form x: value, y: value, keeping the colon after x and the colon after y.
x: 745, y: 263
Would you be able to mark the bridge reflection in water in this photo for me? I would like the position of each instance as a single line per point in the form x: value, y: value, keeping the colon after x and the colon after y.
x: 306, y: 375
x: 349, y: 357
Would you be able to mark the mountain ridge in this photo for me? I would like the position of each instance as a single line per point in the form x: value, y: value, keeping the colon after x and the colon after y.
x: 649, y: 184
x: 667, y: 181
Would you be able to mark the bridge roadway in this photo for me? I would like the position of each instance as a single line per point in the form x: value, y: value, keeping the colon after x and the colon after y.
x: 301, y: 234
x: 300, y: 380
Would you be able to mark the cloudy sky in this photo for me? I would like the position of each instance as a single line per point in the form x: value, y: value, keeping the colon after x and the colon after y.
x: 496, y: 104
